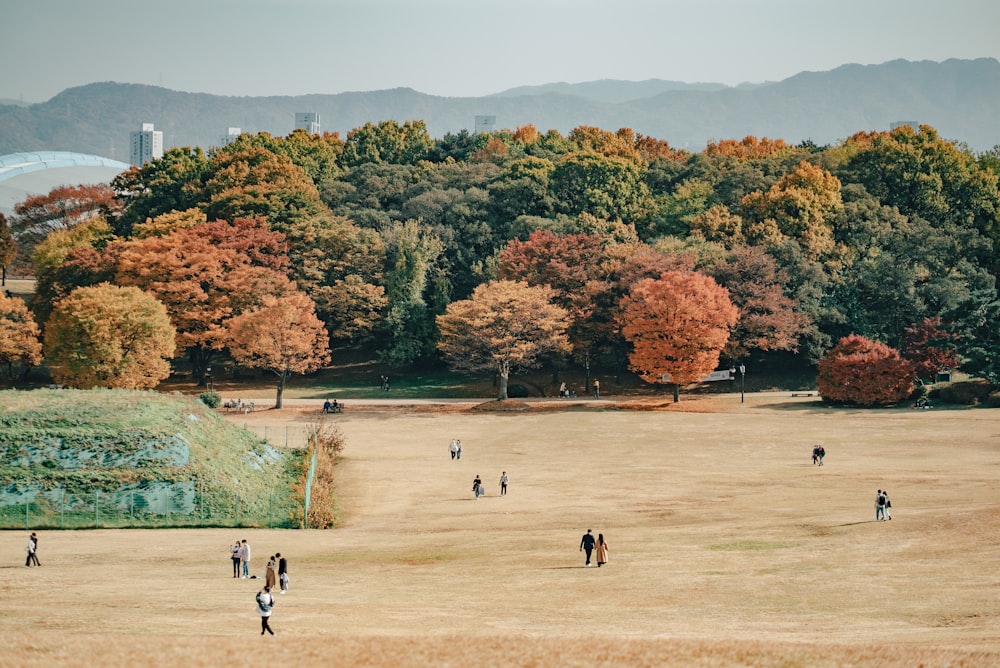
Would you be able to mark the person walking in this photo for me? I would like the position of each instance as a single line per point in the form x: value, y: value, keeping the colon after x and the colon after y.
x: 503, y: 483
x: 34, y: 553
x: 587, y: 544
x: 245, y: 558
x: 888, y: 504
x: 879, y: 506
x: 282, y: 572
x: 602, y: 550
x: 477, y: 486
x: 453, y: 448
x: 270, y: 577
x: 563, y: 392
x: 821, y: 453
x: 29, y: 550
x: 265, y: 601
x: 458, y: 451
x: 597, y: 389
x: 234, y: 554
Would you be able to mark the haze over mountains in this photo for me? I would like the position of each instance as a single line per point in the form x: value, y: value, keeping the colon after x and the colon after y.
x: 960, y: 98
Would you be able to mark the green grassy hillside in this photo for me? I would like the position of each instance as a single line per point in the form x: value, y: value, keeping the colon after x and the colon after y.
x: 119, y: 458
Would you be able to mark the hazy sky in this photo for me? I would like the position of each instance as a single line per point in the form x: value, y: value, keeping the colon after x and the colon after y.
x: 465, y: 48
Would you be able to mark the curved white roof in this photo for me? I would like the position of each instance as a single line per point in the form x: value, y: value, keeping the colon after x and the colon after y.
x: 23, y: 175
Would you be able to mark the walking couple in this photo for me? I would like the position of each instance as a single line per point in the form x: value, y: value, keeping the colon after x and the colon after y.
x: 589, y: 544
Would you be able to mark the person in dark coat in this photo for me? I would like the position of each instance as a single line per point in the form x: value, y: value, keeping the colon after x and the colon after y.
x: 587, y: 544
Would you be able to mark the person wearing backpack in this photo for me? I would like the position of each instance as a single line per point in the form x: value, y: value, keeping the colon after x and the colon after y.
x: 880, y: 506
x: 264, y: 604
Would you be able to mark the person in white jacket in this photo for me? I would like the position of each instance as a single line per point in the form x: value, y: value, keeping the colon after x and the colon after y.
x: 265, y: 601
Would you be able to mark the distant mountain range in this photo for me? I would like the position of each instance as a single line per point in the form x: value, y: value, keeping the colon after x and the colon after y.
x: 960, y: 98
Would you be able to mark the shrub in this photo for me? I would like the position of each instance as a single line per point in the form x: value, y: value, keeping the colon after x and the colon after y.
x: 518, y: 391
x: 327, y: 443
x: 210, y: 399
x: 863, y: 372
x: 966, y: 393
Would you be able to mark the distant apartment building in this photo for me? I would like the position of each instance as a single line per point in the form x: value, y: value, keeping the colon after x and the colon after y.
x: 485, y: 124
x: 232, y: 135
x: 146, y: 145
x: 308, y: 121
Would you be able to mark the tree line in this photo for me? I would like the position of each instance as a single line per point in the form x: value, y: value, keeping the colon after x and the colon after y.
x: 516, y: 249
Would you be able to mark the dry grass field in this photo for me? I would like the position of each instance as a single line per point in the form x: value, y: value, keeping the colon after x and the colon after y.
x: 728, y: 547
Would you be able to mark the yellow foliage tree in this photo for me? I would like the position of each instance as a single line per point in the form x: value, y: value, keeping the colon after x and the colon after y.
x: 504, y: 327
x: 109, y: 336
x: 19, y: 336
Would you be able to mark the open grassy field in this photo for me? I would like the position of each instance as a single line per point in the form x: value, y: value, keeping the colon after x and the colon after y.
x: 727, y: 547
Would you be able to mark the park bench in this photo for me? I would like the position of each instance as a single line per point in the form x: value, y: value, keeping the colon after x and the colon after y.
x: 803, y: 394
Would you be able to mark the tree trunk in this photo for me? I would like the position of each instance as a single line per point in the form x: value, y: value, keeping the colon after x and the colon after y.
x: 677, y: 393
x: 281, y: 389
x: 502, y: 392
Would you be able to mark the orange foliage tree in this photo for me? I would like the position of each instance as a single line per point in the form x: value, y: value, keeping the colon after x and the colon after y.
x: 677, y: 326
x: 863, y: 372
x: 20, y: 345
x: 206, y: 274
x: 109, y: 336
x: 283, y: 335
x: 506, y: 326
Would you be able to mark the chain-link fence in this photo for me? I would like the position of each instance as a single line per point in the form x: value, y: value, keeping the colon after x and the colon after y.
x: 149, y: 505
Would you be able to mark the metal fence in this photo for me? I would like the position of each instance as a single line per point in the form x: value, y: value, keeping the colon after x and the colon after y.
x: 150, y: 507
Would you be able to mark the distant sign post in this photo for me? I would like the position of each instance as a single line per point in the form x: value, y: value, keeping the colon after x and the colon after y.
x: 743, y: 375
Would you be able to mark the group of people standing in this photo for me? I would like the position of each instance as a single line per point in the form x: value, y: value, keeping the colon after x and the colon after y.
x: 275, y: 575
x: 589, y: 544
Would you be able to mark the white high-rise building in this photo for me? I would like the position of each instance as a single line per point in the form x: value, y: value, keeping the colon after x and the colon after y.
x: 308, y: 121
x: 146, y: 145
x: 231, y: 136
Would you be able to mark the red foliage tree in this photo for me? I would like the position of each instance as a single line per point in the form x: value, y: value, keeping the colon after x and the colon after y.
x: 927, y: 344
x: 863, y: 372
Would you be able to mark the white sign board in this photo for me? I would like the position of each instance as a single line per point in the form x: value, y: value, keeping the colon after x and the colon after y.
x: 721, y: 374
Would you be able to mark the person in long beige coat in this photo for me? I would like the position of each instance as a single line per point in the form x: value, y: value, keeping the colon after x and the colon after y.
x: 269, y: 574
x: 602, y: 550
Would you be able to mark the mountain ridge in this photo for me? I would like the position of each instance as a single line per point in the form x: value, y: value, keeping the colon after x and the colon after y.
x: 960, y: 98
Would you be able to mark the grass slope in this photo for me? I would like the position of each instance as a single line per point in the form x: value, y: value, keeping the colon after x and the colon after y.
x: 172, y: 451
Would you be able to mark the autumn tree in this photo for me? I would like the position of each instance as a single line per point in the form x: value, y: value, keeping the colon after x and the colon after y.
x: 20, y: 344
x: 931, y: 348
x: 768, y: 320
x: 256, y: 183
x: 8, y: 248
x: 205, y: 275
x: 570, y: 264
x: 800, y: 206
x: 863, y: 372
x: 282, y: 335
x: 109, y: 336
x: 504, y: 327
x: 677, y: 326
x: 62, y: 208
